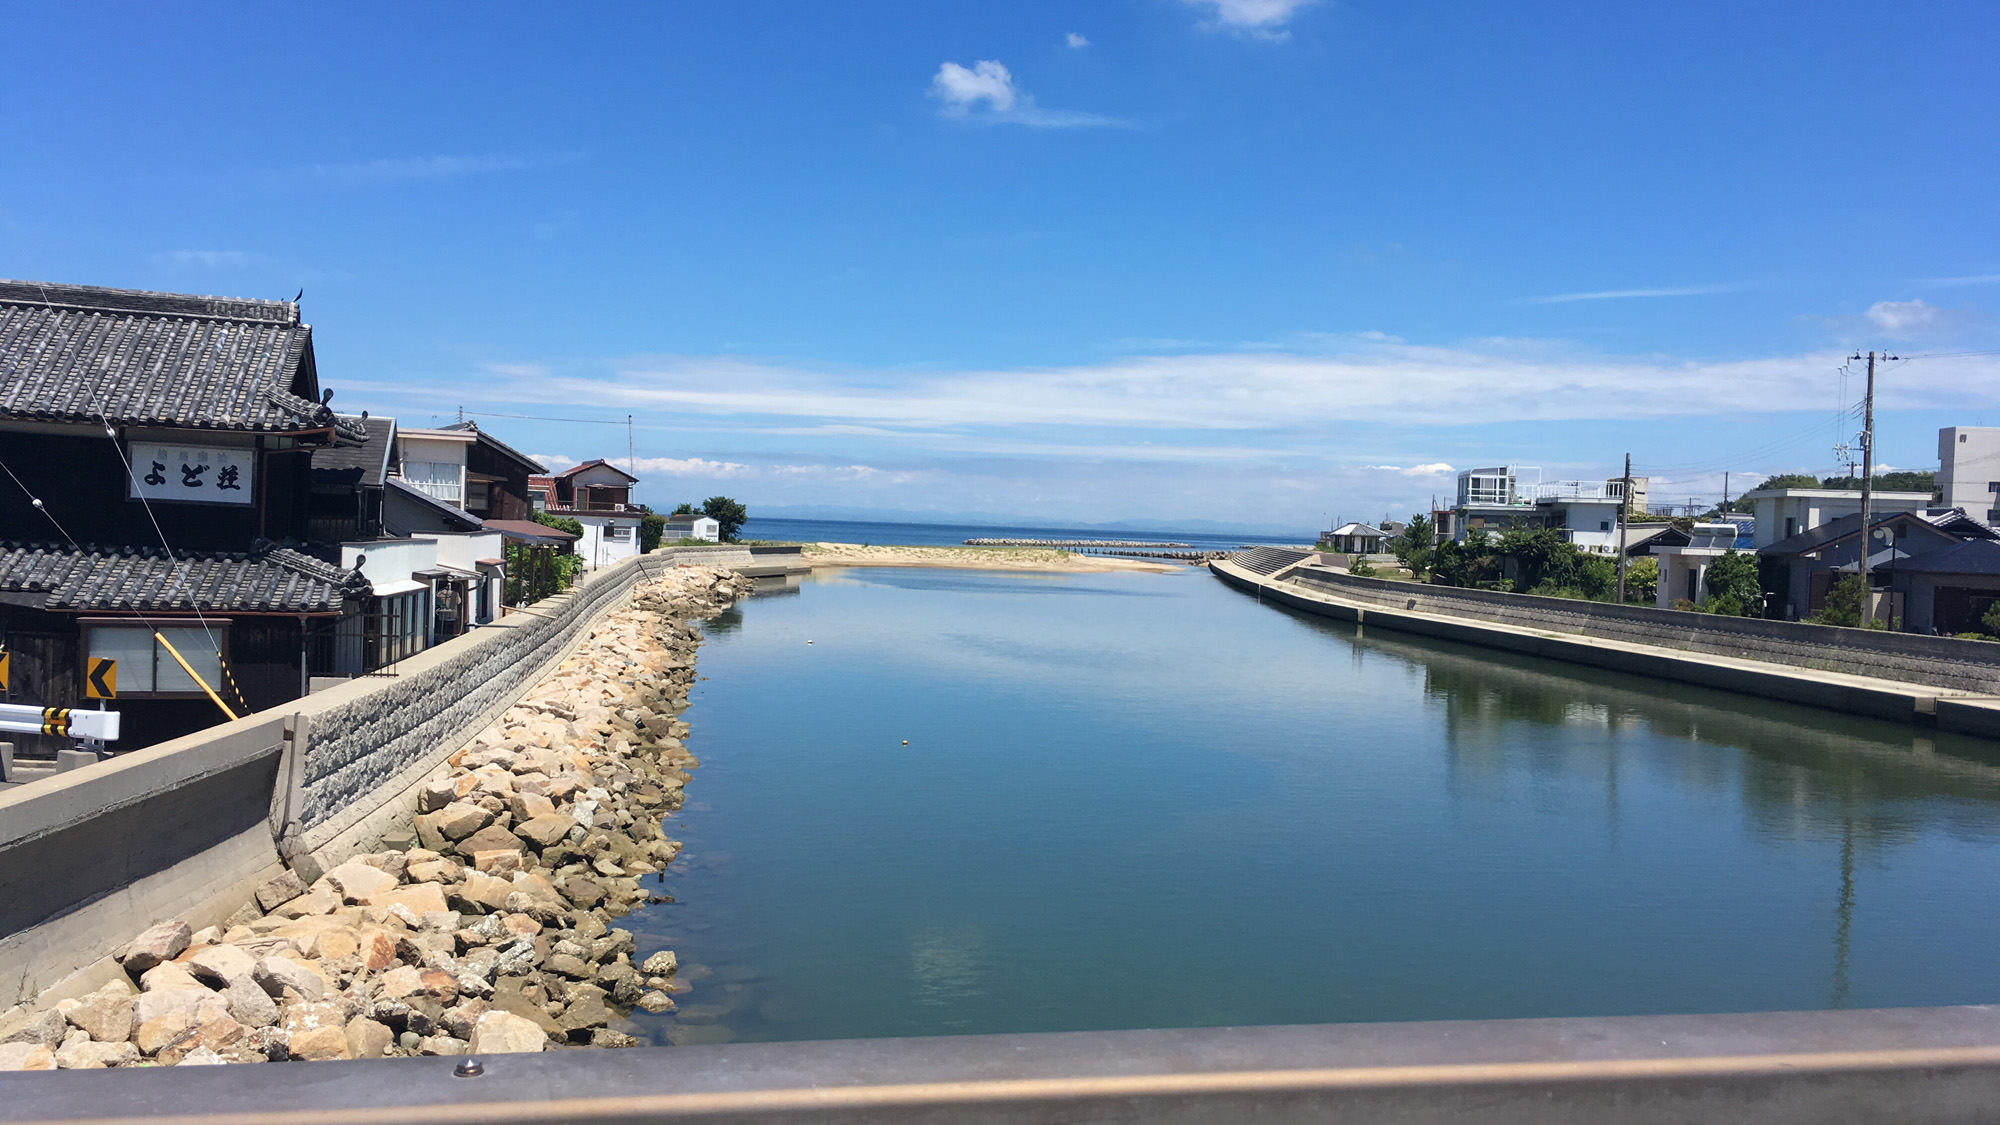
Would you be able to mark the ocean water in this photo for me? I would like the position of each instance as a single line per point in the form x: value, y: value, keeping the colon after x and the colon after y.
x: 941, y: 802
x: 952, y: 535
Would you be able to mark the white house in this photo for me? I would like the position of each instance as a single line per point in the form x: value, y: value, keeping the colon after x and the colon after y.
x: 1969, y: 470
x: 692, y: 525
x: 1684, y: 569
x: 1784, y: 512
x: 598, y: 495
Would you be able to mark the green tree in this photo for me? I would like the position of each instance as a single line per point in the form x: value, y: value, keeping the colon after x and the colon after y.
x: 1991, y: 619
x: 1791, y: 480
x: 1597, y: 576
x: 1733, y: 582
x: 1844, y: 604
x: 1541, y: 558
x: 651, y: 528
x: 682, y: 510
x: 560, y: 523
x: 1642, y: 580
x: 1413, y: 547
x: 1901, y: 481
x: 1361, y: 568
x: 727, y: 513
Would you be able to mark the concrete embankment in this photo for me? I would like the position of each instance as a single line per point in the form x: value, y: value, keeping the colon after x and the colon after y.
x: 1928, y: 680
x: 493, y: 935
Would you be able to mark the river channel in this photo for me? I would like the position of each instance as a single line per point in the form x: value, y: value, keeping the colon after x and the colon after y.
x: 1145, y: 800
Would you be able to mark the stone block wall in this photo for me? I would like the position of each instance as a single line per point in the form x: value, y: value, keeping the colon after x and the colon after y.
x: 1943, y: 662
x: 362, y: 744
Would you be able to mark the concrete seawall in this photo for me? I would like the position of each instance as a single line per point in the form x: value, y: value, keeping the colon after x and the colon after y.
x: 189, y: 827
x: 1738, y: 655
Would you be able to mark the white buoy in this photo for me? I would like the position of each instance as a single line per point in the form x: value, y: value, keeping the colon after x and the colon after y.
x: 906, y: 742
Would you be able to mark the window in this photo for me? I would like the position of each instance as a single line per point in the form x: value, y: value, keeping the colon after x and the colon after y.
x: 436, y: 479
x: 1604, y: 525
x: 478, y: 495
x: 145, y: 667
x: 538, y: 498
x: 618, y: 531
x: 1791, y: 526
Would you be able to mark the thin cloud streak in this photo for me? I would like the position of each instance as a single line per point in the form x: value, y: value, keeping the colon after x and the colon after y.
x: 1625, y: 294
x: 1389, y: 384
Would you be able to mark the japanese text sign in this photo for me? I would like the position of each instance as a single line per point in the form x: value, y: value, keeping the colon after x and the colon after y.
x: 203, y: 474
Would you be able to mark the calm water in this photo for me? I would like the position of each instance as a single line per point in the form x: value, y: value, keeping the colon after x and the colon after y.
x: 954, y: 534
x: 1146, y: 800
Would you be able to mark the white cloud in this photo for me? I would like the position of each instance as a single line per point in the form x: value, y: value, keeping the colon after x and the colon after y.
x: 1483, y: 383
x: 1265, y: 19
x: 1076, y: 42
x: 986, y: 93
x: 1904, y: 318
x: 962, y: 90
x: 689, y: 467
x: 554, y: 460
x: 1434, y: 469
x: 1622, y: 294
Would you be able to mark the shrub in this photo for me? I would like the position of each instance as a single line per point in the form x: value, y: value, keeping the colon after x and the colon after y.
x: 651, y: 528
x: 1723, y: 605
x: 1991, y: 618
x: 1361, y: 568
x: 1642, y: 580
x: 1734, y: 577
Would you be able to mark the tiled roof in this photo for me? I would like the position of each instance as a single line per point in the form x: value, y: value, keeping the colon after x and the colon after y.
x: 77, y: 353
x: 110, y: 579
x: 1974, y: 556
x: 372, y: 457
x: 530, y: 531
x: 594, y: 463
x: 533, y: 466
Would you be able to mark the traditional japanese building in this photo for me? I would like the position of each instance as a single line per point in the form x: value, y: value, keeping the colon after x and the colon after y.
x: 157, y: 501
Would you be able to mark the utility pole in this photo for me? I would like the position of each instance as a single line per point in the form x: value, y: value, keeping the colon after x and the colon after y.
x: 1867, y: 493
x: 1724, y: 509
x: 1624, y: 507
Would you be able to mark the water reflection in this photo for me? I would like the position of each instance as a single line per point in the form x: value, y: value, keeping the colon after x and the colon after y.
x: 1150, y: 802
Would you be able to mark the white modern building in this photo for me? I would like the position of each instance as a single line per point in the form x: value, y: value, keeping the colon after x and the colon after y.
x: 692, y: 525
x: 1969, y: 470
x: 1496, y: 500
x: 1784, y: 512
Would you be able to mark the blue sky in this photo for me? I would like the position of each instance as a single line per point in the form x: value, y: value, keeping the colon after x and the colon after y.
x: 1255, y: 262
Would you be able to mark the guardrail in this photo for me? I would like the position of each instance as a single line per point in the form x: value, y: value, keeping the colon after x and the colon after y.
x: 1934, y: 1065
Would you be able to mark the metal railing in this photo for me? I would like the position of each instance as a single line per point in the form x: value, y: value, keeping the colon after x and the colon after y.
x: 1765, y: 1068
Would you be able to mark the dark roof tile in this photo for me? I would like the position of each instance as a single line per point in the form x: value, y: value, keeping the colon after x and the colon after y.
x: 112, y: 579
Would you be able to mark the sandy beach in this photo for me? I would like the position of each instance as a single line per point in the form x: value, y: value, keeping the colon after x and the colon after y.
x: 974, y: 558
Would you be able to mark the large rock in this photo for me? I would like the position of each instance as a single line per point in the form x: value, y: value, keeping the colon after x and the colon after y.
x: 216, y: 966
x: 319, y: 1044
x: 436, y: 794
x: 160, y: 943
x: 165, y: 1030
x: 502, y: 1033
x: 661, y: 964
x: 46, y: 1028
x: 163, y: 978
x: 489, y: 891
x: 526, y: 806
x: 280, y: 890
x: 376, y: 950
x: 359, y: 882
x: 419, y: 899
x: 153, y: 1005
x: 26, y: 1056
x: 80, y: 1053
x: 367, y: 1039
x: 106, y: 1015
x: 461, y: 819
x: 249, y: 1004
x: 275, y: 974
x: 491, y: 838
x: 586, y: 1009
x: 545, y: 829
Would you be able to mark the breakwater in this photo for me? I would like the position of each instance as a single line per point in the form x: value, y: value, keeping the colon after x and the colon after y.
x: 1069, y: 543
x: 492, y: 935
